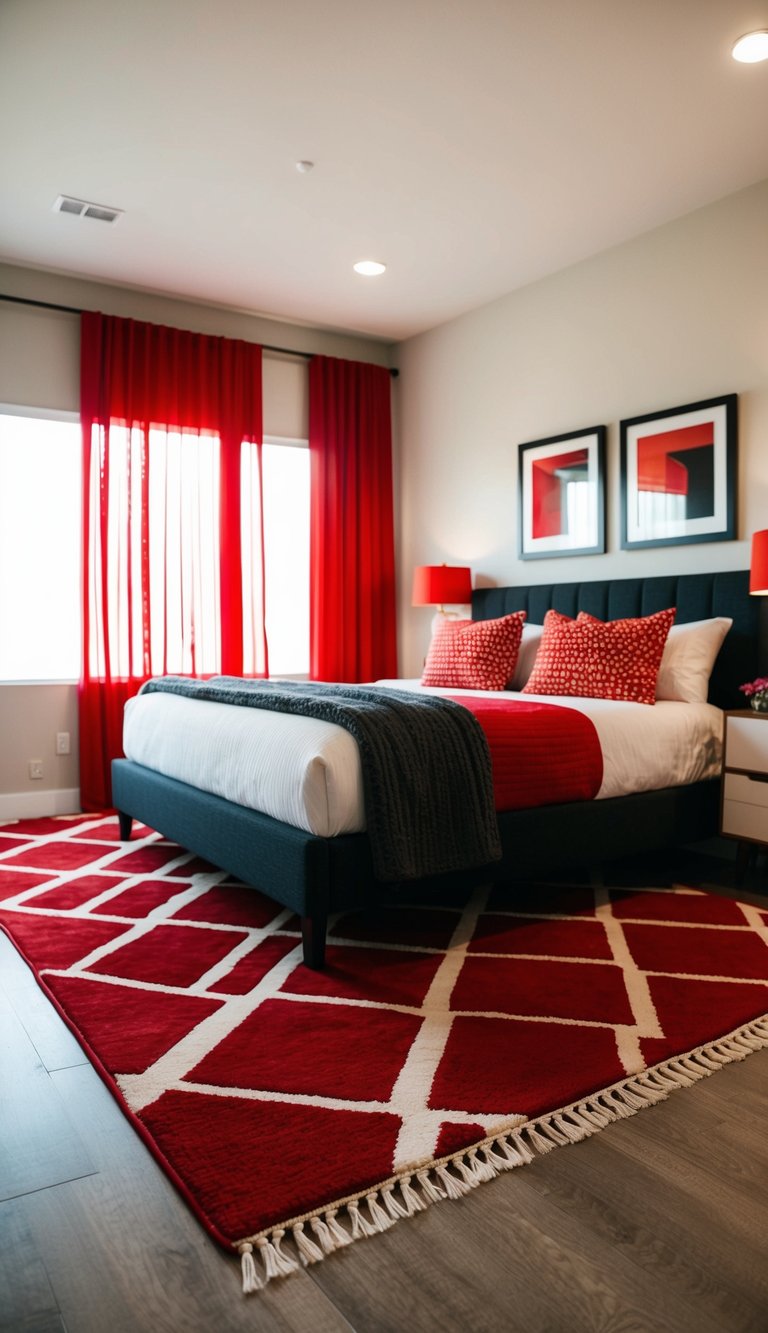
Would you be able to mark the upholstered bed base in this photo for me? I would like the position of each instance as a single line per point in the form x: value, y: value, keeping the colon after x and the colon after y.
x: 317, y: 876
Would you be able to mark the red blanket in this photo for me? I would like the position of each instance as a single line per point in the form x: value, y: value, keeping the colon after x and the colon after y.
x: 543, y: 754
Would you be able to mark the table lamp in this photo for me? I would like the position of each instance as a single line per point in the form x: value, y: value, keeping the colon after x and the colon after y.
x: 758, y: 565
x: 434, y: 585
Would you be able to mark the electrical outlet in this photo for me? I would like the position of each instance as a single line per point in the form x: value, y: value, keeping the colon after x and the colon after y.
x: 35, y: 768
x: 62, y: 742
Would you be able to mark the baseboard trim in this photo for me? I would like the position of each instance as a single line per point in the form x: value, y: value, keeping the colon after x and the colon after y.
x: 38, y: 804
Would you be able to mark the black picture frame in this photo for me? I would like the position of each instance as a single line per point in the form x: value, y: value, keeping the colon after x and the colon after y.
x: 554, y: 520
x: 675, y: 491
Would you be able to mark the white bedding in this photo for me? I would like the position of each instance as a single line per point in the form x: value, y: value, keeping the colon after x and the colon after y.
x: 307, y: 773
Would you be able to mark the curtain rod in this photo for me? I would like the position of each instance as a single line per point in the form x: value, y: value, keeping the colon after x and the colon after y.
x: 77, y: 310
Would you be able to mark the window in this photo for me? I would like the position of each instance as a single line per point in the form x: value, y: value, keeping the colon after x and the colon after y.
x: 285, y: 478
x: 39, y: 548
x: 163, y: 547
x: 286, y: 539
x: 40, y: 534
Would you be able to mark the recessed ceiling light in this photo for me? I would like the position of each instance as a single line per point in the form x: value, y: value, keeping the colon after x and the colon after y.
x: 371, y: 268
x: 751, y: 48
x: 304, y: 166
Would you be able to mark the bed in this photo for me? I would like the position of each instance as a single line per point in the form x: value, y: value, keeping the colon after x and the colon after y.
x: 317, y: 875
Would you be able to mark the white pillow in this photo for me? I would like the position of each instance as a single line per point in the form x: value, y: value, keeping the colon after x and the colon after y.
x: 688, y: 658
x: 529, y: 646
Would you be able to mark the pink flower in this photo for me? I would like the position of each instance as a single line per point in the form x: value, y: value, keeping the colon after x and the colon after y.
x: 758, y: 686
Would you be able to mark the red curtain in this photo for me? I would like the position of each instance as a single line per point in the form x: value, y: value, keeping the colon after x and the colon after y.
x: 352, y: 624
x: 165, y: 414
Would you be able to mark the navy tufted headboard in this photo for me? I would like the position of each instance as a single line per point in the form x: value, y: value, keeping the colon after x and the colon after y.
x: 697, y: 597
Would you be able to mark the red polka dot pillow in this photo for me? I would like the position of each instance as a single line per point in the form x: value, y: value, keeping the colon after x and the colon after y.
x: 597, y: 659
x: 474, y: 654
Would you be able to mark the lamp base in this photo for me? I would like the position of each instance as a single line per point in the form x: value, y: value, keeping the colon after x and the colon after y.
x: 441, y: 615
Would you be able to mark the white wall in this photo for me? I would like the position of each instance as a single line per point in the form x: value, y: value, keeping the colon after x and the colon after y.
x: 677, y: 315
x: 40, y: 367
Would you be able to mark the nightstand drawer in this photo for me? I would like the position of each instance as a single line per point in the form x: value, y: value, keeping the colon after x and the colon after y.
x: 745, y: 807
x: 745, y: 821
x: 746, y: 743
x: 741, y: 788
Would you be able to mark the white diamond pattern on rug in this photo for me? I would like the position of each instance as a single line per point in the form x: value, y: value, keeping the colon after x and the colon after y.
x: 432, y: 1027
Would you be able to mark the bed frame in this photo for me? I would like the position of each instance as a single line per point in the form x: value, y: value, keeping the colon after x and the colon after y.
x: 318, y: 876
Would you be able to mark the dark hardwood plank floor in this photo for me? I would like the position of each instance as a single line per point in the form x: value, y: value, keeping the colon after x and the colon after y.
x: 658, y: 1223
x: 39, y: 1144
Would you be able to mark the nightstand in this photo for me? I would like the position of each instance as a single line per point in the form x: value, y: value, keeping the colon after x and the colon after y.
x: 744, y: 799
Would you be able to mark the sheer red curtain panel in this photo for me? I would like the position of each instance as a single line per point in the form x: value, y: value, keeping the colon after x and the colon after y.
x: 165, y: 417
x: 352, y: 558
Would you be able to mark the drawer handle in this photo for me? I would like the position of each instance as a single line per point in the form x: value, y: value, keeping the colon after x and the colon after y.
x: 756, y: 777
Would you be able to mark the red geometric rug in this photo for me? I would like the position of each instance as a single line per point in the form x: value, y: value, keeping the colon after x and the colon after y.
x: 297, y: 1111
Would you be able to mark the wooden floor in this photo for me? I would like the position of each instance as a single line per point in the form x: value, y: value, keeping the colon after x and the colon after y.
x: 658, y: 1222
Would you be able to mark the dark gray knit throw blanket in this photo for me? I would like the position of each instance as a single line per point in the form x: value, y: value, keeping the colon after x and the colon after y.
x: 425, y: 761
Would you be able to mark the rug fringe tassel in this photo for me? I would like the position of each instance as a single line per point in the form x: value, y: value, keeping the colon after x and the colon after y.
x: 519, y: 1146
x: 251, y: 1279
x: 432, y: 1193
x: 483, y: 1167
x: 309, y: 1253
x: 380, y: 1219
x: 413, y: 1201
x: 501, y: 1163
x: 453, y: 1188
x: 456, y: 1176
x: 323, y: 1234
x: 336, y: 1230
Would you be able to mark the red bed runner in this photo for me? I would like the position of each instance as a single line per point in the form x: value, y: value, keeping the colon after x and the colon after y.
x: 542, y: 754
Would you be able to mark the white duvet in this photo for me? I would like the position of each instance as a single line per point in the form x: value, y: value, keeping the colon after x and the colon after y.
x: 307, y: 773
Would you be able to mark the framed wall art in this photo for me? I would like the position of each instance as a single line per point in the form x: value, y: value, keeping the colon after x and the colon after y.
x: 678, y: 475
x: 561, y: 495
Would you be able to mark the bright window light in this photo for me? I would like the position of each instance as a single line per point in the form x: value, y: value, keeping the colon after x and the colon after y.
x: 183, y: 518
x: 40, y: 536
x: 286, y: 540
x: 183, y: 547
x: 39, y: 548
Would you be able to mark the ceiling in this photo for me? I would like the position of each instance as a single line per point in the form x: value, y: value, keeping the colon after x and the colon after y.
x: 474, y: 147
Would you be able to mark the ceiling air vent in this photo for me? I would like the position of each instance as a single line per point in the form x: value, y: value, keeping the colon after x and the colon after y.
x: 80, y: 208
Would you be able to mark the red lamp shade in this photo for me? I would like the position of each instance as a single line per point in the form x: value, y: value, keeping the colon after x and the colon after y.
x: 758, y: 569
x: 433, y: 585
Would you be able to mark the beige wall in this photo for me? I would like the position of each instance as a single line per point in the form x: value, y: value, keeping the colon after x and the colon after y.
x: 40, y: 367
x: 40, y: 350
x: 677, y: 315
x: 30, y: 718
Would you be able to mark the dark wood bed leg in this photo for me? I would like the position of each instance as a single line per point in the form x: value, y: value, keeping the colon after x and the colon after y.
x: 126, y: 823
x: 313, y: 930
